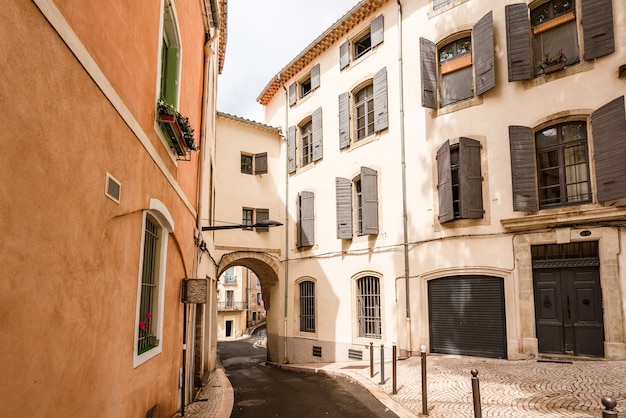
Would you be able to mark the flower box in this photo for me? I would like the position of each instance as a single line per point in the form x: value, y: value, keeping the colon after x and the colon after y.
x: 547, y: 69
x: 177, y: 130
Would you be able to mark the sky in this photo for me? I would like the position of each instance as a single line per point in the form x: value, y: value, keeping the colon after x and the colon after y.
x: 262, y: 38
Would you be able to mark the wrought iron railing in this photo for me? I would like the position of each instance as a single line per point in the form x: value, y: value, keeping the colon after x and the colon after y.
x: 232, y: 306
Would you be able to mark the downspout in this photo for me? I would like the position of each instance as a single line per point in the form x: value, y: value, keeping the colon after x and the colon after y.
x: 285, y: 137
x: 405, y: 242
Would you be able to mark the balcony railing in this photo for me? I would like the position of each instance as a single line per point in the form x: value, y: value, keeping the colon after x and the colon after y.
x: 232, y: 306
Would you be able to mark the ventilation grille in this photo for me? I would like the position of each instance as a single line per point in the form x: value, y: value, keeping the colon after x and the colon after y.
x: 113, y: 189
x: 355, y: 354
x: 317, y: 351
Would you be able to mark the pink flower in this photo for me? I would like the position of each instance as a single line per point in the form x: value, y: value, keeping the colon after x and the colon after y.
x: 148, y: 315
x: 142, y: 325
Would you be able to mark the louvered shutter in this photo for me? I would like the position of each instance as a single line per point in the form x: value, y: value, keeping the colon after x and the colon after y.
x: 343, y: 190
x: 318, y: 133
x: 438, y: 4
x: 262, y: 215
x: 428, y: 67
x: 598, y: 33
x: 484, y: 61
x: 306, y: 237
x: 315, y: 77
x: 608, y: 125
x: 381, y: 118
x: 470, y: 179
x: 444, y: 183
x: 171, y: 76
x: 518, y: 42
x: 260, y: 163
x: 291, y: 148
x: 369, y: 201
x: 292, y: 93
x: 344, y: 55
x: 377, y: 31
x: 344, y: 120
x: 523, y: 170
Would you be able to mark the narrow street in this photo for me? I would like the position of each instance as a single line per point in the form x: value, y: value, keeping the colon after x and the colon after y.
x: 262, y: 390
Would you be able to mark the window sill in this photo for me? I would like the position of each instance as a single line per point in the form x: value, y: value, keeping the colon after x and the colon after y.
x: 475, y: 101
x: 432, y: 13
x: 564, y: 216
x: 370, y: 138
x: 546, y: 78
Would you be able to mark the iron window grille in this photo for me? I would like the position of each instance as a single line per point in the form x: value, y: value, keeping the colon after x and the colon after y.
x: 368, y: 307
x: 148, y: 302
x: 307, y: 306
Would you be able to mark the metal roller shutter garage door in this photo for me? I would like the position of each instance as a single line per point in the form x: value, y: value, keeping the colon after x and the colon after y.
x: 467, y: 316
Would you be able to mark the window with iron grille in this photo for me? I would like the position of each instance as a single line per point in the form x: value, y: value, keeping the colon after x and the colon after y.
x: 307, y: 306
x: 306, y: 132
x: 368, y: 307
x: 364, y: 110
x: 149, y: 287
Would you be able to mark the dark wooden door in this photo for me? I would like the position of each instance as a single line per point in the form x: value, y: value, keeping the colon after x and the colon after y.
x: 568, y: 311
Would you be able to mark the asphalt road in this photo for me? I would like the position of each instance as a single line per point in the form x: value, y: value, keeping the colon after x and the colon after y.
x: 265, y: 391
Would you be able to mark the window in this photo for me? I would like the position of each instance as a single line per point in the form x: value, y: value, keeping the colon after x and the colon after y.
x: 311, y: 140
x: 363, y: 43
x: 251, y: 216
x: 170, y: 57
x: 553, y: 27
x: 229, y: 276
x: 459, y: 181
x: 365, y: 200
x: 256, y: 164
x: 230, y: 298
x: 258, y: 299
x: 463, y: 68
x: 368, y: 307
x: 368, y: 106
x: 551, y: 166
x: 307, y: 306
x: 305, y: 86
x: 247, y: 218
x: 246, y: 164
x: 306, y: 216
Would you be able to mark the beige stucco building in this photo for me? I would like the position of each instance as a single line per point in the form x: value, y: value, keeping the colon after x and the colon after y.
x: 445, y: 188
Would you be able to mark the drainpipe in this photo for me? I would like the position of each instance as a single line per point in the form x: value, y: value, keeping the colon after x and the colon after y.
x: 405, y: 243
x: 285, y: 137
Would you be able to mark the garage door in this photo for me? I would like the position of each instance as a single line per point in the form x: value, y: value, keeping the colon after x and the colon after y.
x: 466, y: 315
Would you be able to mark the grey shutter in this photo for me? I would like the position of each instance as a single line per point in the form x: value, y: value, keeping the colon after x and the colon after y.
x: 381, y: 119
x: 518, y: 42
x: 344, y: 120
x: 444, y: 183
x: 523, y: 170
x: 344, y: 55
x: 318, y: 132
x: 484, y: 61
x: 343, y: 190
x: 598, y: 33
x: 262, y: 215
x: 292, y: 93
x: 470, y: 179
x: 608, y: 125
x: 315, y: 77
x: 369, y: 201
x: 291, y: 148
x: 306, y: 231
x: 260, y: 163
x: 377, y: 31
x: 438, y: 4
x: 428, y: 67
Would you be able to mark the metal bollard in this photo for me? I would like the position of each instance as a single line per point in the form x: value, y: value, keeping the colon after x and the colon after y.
x: 424, y: 387
x: 609, y: 404
x: 478, y: 413
x: 371, y: 359
x: 394, y: 368
x: 382, y: 364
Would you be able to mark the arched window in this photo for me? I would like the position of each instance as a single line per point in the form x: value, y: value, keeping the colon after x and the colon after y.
x: 306, y: 291
x: 368, y: 307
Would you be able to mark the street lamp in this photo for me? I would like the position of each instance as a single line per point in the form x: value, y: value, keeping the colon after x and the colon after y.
x: 261, y: 224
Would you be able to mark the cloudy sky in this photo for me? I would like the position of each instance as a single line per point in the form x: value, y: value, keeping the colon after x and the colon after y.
x: 263, y: 37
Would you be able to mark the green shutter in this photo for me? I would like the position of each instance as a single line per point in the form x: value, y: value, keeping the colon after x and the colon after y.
x: 470, y: 179
x: 171, y: 77
x: 444, y: 183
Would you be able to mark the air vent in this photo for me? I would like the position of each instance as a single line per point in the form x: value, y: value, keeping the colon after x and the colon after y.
x: 317, y: 351
x: 355, y: 354
x: 113, y: 188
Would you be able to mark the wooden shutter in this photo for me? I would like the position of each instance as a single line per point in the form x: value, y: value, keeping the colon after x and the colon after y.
x: 444, y: 183
x: 344, y: 120
x: 470, y: 179
x: 318, y: 133
x: 428, y: 68
x: 377, y: 31
x: 260, y: 163
x: 518, y: 42
x: 262, y: 215
x: 343, y: 190
x: 523, y: 170
x: 369, y: 201
x: 381, y: 119
x: 291, y: 148
x: 608, y: 125
x: 171, y: 76
x: 344, y: 55
x: 315, y: 77
x: 598, y: 33
x: 306, y: 237
x: 438, y: 4
x: 293, y: 93
x: 484, y: 61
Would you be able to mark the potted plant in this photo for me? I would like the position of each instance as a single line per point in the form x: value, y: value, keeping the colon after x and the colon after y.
x: 177, y: 129
x: 552, y: 62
